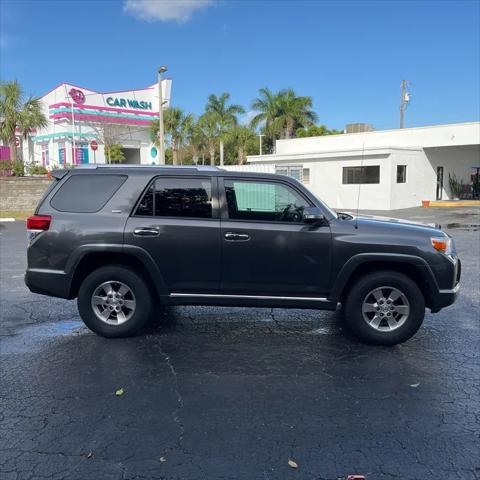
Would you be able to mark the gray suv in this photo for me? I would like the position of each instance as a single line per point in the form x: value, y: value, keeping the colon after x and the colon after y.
x: 123, y: 240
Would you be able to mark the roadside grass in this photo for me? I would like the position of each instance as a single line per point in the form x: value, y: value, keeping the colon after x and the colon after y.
x: 16, y: 214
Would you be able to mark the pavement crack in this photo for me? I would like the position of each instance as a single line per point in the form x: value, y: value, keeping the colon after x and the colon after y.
x: 176, y: 413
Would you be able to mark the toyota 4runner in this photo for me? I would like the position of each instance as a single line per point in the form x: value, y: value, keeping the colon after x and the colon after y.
x: 123, y: 240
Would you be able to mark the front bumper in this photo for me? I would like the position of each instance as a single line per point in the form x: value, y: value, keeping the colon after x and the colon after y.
x: 442, y: 298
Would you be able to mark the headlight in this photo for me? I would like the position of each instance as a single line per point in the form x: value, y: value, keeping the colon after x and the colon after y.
x: 442, y: 244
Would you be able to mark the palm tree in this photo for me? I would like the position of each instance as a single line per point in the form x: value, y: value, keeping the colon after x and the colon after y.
x: 210, y: 130
x: 226, y: 115
x: 295, y: 112
x: 177, y: 125
x: 241, y: 136
x: 282, y: 113
x: 196, y: 140
x: 267, y: 106
x: 18, y: 114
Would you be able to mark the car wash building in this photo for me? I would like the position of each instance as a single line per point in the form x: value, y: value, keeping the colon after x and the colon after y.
x: 381, y: 170
x: 81, y: 121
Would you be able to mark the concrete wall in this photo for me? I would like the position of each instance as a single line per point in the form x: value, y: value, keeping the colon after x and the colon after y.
x: 21, y: 193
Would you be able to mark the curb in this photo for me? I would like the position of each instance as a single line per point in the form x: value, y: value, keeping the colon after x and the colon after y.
x: 7, y: 219
x: 466, y: 203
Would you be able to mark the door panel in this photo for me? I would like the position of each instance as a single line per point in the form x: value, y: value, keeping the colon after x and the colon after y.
x: 187, y: 251
x: 278, y: 258
x: 177, y: 223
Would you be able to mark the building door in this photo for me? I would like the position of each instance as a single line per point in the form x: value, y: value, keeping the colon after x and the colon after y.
x: 439, y: 183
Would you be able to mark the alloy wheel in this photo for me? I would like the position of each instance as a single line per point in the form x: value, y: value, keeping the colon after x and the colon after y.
x: 385, y: 309
x: 113, y: 302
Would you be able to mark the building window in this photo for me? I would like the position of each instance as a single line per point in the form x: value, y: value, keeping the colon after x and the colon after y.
x: 263, y: 201
x: 295, y: 172
x: 356, y: 175
x: 401, y: 174
x: 306, y: 175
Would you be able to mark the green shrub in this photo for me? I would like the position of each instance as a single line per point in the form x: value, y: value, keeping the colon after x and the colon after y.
x: 18, y: 169
x: 5, y: 167
x: 38, y: 170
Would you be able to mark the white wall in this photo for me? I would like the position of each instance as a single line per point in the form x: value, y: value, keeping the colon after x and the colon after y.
x: 424, y: 137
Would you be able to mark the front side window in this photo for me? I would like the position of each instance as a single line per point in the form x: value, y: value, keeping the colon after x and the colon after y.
x: 356, y: 175
x: 177, y: 197
x: 264, y: 201
x: 401, y: 174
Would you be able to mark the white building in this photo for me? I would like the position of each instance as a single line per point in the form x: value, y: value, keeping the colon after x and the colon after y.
x: 401, y: 168
x: 77, y: 116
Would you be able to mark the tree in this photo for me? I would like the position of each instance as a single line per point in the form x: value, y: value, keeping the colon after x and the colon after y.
x: 114, y: 153
x: 294, y: 112
x: 226, y: 116
x: 282, y: 113
x: 208, y: 124
x: 196, y: 140
x: 241, y: 137
x: 316, y: 131
x: 110, y: 134
x: 18, y: 114
x: 177, y: 125
x: 268, y: 111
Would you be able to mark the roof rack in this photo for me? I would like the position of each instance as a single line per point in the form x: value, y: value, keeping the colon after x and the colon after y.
x: 200, y: 168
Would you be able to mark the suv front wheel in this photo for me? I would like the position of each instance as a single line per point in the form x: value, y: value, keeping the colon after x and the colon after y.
x: 384, y: 308
x: 114, y: 301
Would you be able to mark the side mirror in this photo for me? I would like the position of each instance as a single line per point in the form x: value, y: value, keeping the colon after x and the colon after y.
x: 314, y: 216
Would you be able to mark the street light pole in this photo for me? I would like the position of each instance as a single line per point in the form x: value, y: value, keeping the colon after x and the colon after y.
x: 161, y: 131
x: 260, y: 136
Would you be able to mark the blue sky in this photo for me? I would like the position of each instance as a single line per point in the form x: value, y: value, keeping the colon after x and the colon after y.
x: 350, y: 56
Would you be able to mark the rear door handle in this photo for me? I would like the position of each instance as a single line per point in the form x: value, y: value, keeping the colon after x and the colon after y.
x: 236, y: 237
x: 146, y: 232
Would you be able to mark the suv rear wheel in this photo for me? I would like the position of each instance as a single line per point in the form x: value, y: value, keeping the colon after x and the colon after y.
x: 114, y: 301
x: 384, y: 308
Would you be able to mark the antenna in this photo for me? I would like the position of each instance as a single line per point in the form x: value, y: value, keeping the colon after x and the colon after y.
x: 360, y: 183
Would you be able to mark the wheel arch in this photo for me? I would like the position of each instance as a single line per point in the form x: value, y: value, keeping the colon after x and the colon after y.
x: 129, y: 256
x: 413, y: 267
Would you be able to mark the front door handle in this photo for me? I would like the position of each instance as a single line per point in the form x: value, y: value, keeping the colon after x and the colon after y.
x: 146, y: 232
x: 237, y: 237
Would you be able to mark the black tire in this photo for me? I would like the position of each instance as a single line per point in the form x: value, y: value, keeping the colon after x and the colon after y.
x: 135, y: 282
x: 354, y: 316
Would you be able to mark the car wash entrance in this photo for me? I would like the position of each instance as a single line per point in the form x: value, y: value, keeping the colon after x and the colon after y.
x: 132, y: 156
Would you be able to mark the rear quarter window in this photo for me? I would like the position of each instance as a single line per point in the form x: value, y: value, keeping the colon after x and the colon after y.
x: 86, y: 193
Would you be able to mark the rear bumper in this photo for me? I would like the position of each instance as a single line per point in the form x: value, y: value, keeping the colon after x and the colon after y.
x: 54, y: 283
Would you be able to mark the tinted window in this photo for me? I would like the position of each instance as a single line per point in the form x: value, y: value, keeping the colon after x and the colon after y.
x: 263, y: 201
x: 401, y: 174
x: 370, y: 174
x: 86, y: 193
x: 178, y: 197
x: 145, y: 207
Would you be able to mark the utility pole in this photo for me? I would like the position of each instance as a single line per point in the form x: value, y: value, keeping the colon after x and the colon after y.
x: 404, y: 101
x: 161, y: 132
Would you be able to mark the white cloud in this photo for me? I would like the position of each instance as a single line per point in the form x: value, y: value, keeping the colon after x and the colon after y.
x: 164, y: 10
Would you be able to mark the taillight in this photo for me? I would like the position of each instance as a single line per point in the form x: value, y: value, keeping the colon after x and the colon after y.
x: 36, y: 224
x: 39, y: 222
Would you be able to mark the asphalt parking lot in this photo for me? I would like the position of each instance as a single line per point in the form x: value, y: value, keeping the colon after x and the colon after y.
x: 232, y: 393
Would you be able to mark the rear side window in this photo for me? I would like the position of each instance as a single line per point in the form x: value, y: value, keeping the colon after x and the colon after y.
x: 177, y: 197
x: 86, y: 193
